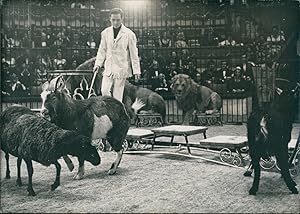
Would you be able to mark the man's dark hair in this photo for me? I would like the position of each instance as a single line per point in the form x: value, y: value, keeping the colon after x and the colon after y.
x: 117, y: 11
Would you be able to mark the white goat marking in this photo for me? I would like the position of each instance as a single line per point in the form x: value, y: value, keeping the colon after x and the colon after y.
x: 263, y: 127
x: 101, y: 126
x: 44, y: 95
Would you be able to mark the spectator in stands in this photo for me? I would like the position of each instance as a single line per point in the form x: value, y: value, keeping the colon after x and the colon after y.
x: 14, y: 41
x: 69, y: 34
x: 276, y: 39
x: 25, y: 75
x: 227, y: 41
x: 26, y: 58
x: 164, y: 40
x: 18, y: 89
x: 224, y: 73
x: 59, y: 61
x: 91, y: 43
x: 41, y: 73
x: 264, y: 81
x: 60, y: 41
x: 46, y: 60
x: 87, y: 55
x: 237, y: 83
x: 74, y: 64
x: 9, y: 59
x: 6, y: 79
x: 35, y: 35
x: 184, y: 57
x: 208, y: 76
x: 4, y: 37
x: 152, y: 73
x: 190, y: 69
x: 76, y: 43
x: 173, y: 58
x: 177, y: 32
x: 276, y: 36
x: 171, y: 72
x: 44, y: 40
x: 76, y: 56
x: 247, y: 68
x: 83, y: 37
x: 160, y: 84
x: 51, y: 35
x: 180, y: 41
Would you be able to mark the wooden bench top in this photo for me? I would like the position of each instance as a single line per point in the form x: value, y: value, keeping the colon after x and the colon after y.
x: 138, y: 133
x: 225, y: 141
x: 179, y: 130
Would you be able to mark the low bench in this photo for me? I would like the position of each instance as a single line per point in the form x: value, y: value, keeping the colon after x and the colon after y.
x: 230, y: 147
x: 178, y: 130
x: 136, y: 136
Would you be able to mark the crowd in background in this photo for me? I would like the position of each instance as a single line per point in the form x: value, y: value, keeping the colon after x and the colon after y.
x: 64, y: 48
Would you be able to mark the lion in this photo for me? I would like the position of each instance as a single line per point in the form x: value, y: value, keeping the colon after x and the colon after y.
x: 192, y: 97
x: 135, y: 98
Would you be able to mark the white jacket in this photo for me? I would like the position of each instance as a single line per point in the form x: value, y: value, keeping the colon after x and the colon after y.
x: 120, y: 55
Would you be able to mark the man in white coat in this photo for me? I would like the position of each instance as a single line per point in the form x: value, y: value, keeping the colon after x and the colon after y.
x: 119, y: 54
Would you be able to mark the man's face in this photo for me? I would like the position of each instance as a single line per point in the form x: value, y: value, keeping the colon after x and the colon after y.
x: 116, y: 20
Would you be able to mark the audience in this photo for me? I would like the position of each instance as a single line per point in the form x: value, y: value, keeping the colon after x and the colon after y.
x: 65, y: 47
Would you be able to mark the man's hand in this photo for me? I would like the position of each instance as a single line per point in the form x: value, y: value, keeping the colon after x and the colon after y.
x: 96, y: 69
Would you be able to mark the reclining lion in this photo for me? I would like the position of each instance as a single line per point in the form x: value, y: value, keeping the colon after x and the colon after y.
x: 192, y: 97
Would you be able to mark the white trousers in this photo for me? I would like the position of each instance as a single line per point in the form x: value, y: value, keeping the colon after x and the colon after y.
x: 117, y: 90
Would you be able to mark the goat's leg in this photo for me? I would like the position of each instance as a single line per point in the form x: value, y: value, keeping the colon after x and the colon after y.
x: 7, y: 176
x: 116, y: 142
x: 256, y: 166
x: 115, y: 164
x: 57, y: 179
x: 80, y: 172
x: 30, y: 173
x: 19, y: 181
x: 283, y: 162
x: 69, y: 163
x: 249, y: 170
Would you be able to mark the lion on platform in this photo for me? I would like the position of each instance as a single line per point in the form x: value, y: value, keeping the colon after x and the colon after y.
x: 193, y: 98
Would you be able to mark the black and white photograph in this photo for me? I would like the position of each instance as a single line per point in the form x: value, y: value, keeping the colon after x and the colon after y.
x: 150, y: 106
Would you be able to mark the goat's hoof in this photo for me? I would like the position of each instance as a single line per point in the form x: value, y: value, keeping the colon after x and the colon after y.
x: 112, y: 171
x: 31, y: 193
x: 248, y: 173
x: 78, y: 176
x: 294, y: 190
x: 252, y: 191
x: 54, y: 186
x: 19, y: 182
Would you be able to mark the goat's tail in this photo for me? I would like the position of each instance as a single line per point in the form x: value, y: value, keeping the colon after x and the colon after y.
x: 137, y: 105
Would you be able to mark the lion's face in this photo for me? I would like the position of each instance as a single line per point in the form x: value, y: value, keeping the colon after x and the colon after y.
x: 181, y: 85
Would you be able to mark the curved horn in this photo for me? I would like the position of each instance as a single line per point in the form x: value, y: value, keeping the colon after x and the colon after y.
x: 59, y: 82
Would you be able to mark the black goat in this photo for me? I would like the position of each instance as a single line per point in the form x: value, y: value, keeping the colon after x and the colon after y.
x: 269, y: 132
x: 100, y: 117
x: 30, y: 137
